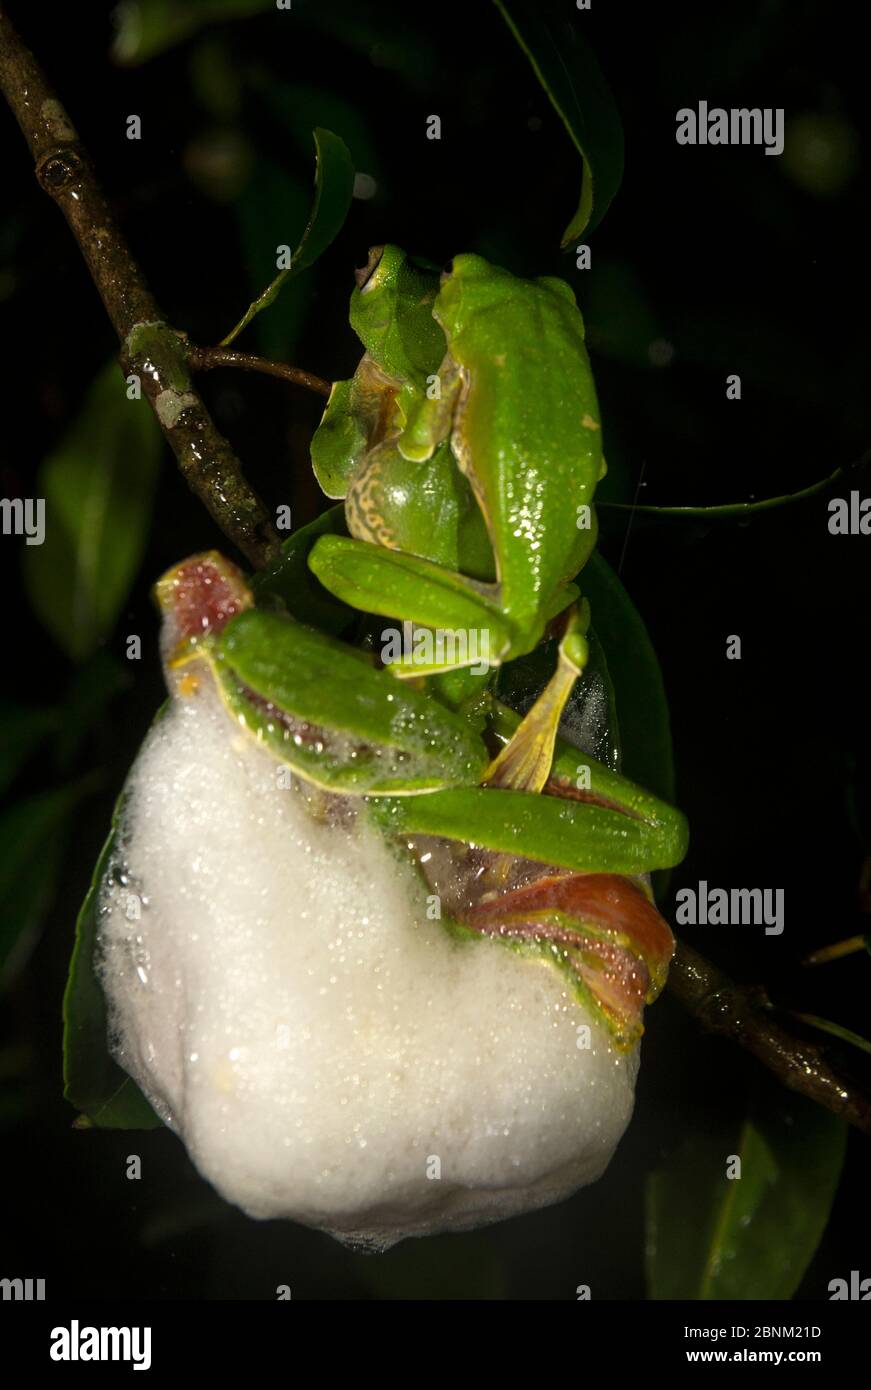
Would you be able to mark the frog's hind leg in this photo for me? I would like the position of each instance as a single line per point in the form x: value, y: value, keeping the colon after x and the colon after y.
x: 524, y: 764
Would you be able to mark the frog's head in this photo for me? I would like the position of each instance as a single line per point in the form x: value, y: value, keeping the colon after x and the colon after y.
x: 474, y: 273
x: 391, y: 313
x: 468, y: 285
x: 378, y: 274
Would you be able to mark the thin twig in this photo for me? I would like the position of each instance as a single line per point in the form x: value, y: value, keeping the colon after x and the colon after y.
x: 742, y: 1013
x: 150, y: 348
x: 632, y: 512
x: 729, y: 511
x: 204, y: 359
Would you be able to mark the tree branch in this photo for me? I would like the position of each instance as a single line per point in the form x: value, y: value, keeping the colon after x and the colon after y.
x: 150, y: 347
x: 742, y: 1013
x: 203, y: 359
x: 163, y: 359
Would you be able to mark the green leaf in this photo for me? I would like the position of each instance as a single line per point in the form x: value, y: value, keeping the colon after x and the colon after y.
x: 144, y: 28
x: 32, y: 841
x: 93, y: 1082
x: 836, y: 1030
x: 22, y: 730
x: 642, y: 708
x: 369, y: 29
x: 273, y: 200
x: 589, y: 718
x: 297, y: 106
x: 753, y: 1237
x: 334, y: 186
x: 638, y: 690
x: 567, y: 70
x: 290, y: 579
x: 98, y: 487
x: 87, y: 698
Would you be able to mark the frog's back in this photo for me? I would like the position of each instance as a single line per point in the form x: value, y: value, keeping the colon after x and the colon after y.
x: 528, y: 435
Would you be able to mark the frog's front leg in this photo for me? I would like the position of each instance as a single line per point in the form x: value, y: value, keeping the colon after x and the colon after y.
x: 318, y: 705
x: 404, y: 587
x: 430, y: 419
x: 665, y: 834
x: 559, y: 876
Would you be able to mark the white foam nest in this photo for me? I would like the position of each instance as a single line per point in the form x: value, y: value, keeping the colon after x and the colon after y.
x: 326, y: 1051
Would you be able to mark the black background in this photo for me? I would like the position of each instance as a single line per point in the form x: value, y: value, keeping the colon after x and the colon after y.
x: 726, y: 255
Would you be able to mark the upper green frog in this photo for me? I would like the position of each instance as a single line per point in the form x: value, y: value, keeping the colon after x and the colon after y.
x: 513, y: 401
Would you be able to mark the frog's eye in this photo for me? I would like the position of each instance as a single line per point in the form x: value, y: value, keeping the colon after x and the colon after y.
x: 466, y: 266
x: 364, y: 274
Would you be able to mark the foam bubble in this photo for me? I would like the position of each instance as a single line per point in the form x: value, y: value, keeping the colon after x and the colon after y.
x: 326, y: 1052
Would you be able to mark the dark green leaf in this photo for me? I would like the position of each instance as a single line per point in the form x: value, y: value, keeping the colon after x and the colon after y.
x: 148, y: 27
x: 589, y: 719
x: 94, y: 1083
x: 712, y: 1237
x: 272, y: 202
x: 836, y: 1030
x: 145, y: 28
x: 550, y: 36
x: 98, y: 487
x: 32, y: 836
x: 642, y: 709
x: 299, y: 106
x: 22, y: 730
x: 88, y: 696
x: 369, y: 27
x: 215, y: 78
x: 590, y: 716
x: 334, y: 187
x: 291, y: 580
x: 637, y: 687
